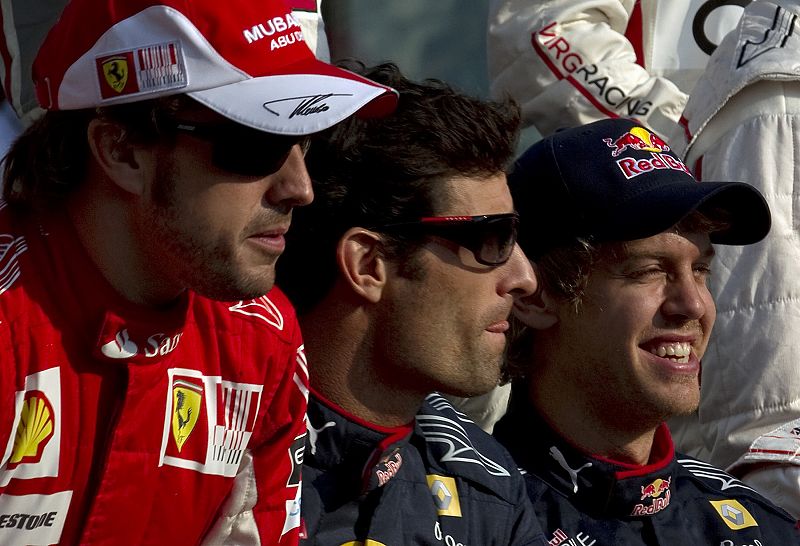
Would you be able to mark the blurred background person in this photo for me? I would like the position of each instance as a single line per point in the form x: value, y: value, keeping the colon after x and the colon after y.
x: 569, y: 62
x: 743, y: 120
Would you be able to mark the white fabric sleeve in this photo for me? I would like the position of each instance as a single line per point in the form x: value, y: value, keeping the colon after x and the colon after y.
x: 568, y: 62
x: 779, y: 483
x: 485, y: 410
x: 750, y: 383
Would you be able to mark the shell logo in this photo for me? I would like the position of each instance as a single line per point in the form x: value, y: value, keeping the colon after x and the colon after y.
x: 35, y: 428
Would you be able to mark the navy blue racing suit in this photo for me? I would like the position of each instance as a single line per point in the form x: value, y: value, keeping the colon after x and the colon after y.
x: 584, y: 500
x: 439, y: 480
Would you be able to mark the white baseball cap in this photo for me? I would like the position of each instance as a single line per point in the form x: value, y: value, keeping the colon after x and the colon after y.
x: 244, y: 59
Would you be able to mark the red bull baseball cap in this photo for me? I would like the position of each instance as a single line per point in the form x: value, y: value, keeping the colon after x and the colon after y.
x: 245, y: 60
x: 615, y: 180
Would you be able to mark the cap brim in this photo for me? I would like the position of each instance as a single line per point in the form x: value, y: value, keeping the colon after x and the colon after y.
x: 739, y: 206
x: 310, y: 98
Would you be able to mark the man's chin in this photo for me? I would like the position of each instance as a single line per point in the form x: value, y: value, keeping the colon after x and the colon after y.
x: 251, y: 289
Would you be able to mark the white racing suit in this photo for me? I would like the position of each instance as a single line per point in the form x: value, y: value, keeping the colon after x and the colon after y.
x: 743, y: 120
x: 570, y: 62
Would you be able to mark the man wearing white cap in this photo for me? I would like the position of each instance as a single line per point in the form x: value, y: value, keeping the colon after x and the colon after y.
x: 153, y: 383
x: 25, y: 25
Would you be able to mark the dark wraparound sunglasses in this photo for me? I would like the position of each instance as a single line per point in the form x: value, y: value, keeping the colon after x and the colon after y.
x: 490, y: 237
x: 239, y: 149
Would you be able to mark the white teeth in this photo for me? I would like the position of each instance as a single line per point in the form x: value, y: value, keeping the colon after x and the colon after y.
x: 680, y: 351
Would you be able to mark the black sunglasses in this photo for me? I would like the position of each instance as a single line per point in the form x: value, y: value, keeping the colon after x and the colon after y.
x: 239, y: 149
x: 490, y: 237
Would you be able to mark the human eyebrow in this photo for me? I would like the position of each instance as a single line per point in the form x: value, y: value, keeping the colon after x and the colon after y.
x: 709, y: 253
x: 626, y: 253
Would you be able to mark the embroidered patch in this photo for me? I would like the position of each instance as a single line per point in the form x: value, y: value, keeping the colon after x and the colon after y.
x: 157, y: 67
x: 445, y: 495
x: 34, y: 448
x: 208, y: 422
x: 734, y: 514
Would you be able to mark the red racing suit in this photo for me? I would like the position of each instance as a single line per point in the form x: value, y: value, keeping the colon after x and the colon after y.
x: 126, y: 425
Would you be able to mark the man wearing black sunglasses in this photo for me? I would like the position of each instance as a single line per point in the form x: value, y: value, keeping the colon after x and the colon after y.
x: 609, y: 347
x: 152, y: 382
x: 404, y: 272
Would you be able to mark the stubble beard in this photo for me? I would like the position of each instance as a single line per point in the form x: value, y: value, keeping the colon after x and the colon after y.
x: 203, y: 265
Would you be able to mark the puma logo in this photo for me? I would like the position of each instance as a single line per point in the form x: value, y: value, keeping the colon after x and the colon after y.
x: 314, y: 432
x: 573, y: 473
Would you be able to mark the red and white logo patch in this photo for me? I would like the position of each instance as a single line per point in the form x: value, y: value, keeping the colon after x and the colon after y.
x: 34, y: 445
x: 10, y: 249
x: 208, y: 422
x: 640, y: 139
x: 261, y: 308
x: 145, y: 70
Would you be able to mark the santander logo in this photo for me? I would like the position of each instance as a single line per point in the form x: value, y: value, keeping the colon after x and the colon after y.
x: 120, y: 347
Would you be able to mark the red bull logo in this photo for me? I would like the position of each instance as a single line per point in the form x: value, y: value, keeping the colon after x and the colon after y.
x: 654, y: 491
x: 632, y: 167
x: 656, y: 488
x: 388, y: 468
x: 637, y: 138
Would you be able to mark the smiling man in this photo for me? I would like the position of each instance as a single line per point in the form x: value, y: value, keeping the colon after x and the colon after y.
x: 404, y: 271
x: 152, y: 381
x: 610, y: 345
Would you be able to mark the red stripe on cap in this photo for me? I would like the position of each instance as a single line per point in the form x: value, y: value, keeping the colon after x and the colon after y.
x: 303, y: 5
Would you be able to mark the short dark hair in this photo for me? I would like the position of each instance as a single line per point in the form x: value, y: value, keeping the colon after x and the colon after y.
x: 50, y: 158
x: 564, y: 272
x: 371, y: 172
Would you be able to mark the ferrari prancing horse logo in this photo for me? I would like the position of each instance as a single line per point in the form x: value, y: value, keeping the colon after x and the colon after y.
x: 186, y: 398
x: 115, y: 69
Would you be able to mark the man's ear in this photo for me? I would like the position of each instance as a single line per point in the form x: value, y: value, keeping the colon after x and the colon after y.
x: 361, y: 263
x: 539, y: 310
x: 119, y: 159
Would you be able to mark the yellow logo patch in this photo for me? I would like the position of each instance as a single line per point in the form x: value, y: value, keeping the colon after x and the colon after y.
x: 734, y: 514
x: 186, y: 398
x: 369, y: 542
x: 115, y: 70
x: 445, y: 495
x: 35, y: 428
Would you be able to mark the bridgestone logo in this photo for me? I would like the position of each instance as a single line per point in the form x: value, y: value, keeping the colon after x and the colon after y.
x: 33, y: 519
x: 27, y: 521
